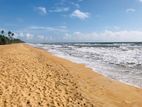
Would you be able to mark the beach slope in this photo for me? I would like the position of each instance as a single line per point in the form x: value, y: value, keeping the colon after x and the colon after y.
x: 31, y: 77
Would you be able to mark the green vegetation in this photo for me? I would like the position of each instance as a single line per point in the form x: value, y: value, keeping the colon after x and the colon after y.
x: 9, y: 38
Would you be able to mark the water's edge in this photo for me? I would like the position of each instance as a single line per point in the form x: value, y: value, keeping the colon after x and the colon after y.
x: 115, y: 72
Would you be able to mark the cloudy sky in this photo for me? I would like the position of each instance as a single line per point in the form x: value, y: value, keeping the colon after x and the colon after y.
x: 73, y: 20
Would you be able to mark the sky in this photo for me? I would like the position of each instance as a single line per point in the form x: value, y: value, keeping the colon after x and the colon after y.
x: 40, y: 21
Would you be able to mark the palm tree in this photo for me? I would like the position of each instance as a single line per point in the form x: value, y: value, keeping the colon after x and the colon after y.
x: 2, y: 32
x: 9, y: 34
x: 12, y: 34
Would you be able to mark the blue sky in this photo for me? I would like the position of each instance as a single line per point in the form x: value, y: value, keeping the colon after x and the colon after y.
x: 73, y: 20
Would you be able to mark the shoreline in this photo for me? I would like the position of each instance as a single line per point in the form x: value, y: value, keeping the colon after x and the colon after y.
x: 65, y: 80
x: 63, y: 57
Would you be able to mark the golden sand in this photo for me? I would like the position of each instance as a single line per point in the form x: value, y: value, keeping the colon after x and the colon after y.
x: 31, y: 77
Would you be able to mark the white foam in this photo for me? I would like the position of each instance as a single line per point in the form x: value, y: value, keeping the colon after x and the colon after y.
x: 116, y: 63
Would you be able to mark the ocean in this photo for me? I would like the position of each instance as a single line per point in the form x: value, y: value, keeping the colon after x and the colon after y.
x: 117, y: 60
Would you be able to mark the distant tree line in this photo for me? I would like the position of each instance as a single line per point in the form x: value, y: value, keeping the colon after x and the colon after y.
x: 8, y: 38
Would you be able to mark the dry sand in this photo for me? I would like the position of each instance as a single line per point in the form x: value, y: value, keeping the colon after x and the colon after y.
x: 31, y: 77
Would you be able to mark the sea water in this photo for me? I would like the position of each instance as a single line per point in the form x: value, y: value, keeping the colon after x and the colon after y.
x: 119, y: 61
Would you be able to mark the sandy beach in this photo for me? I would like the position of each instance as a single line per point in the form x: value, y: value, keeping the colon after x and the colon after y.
x: 32, y: 77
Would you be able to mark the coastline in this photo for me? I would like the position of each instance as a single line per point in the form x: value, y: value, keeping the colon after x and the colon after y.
x: 71, y: 84
x: 118, y: 61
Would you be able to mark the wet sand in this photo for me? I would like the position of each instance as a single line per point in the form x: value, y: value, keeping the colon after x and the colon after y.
x: 31, y: 77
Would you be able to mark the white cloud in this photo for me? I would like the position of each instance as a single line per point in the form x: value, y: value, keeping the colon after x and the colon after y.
x: 46, y: 28
x: 130, y: 10
x: 63, y: 9
x: 81, y: 15
x: 63, y: 27
x: 107, y: 36
x: 41, y: 37
x: 29, y: 36
x: 38, y: 34
x: 41, y: 10
x: 80, y: 0
x: 61, y: 34
x: 112, y: 28
x: 75, y: 4
x: 24, y: 36
x: 140, y: 0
